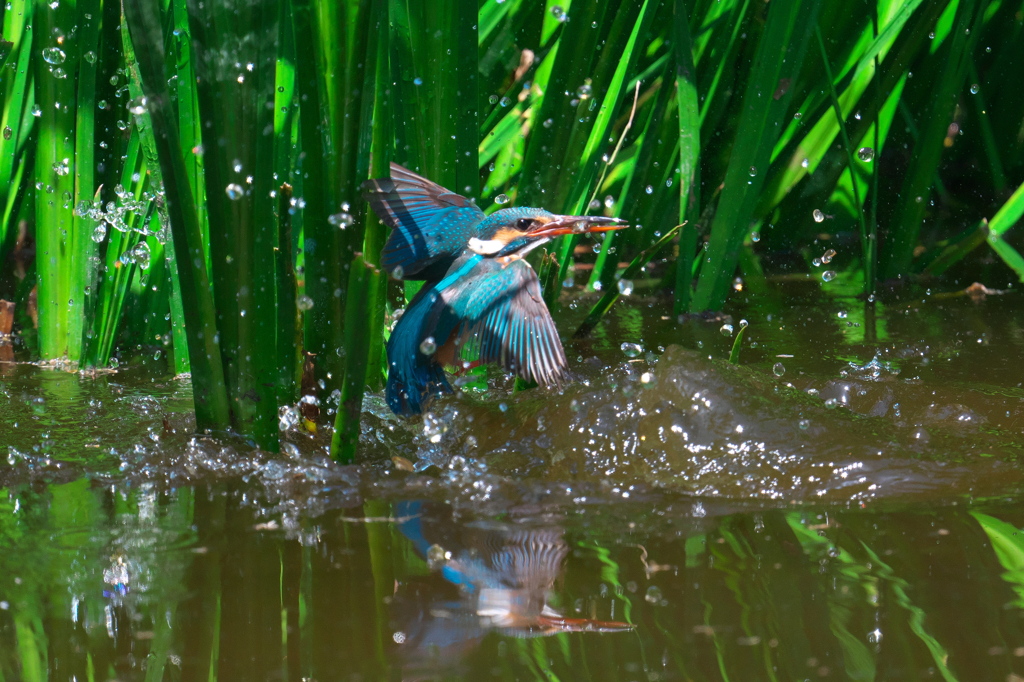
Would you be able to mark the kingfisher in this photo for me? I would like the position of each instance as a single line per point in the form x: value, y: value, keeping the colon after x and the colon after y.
x: 481, y: 300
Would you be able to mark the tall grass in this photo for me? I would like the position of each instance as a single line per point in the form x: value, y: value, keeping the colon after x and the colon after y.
x: 771, y: 129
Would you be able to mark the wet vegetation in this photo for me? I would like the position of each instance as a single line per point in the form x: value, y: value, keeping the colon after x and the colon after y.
x: 791, y: 447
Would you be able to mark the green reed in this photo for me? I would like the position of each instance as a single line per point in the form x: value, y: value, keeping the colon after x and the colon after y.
x: 730, y: 115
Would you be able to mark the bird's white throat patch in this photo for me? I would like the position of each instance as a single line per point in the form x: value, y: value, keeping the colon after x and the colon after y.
x: 485, y: 247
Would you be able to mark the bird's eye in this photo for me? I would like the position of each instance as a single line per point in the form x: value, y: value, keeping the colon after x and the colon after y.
x: 523, y: 224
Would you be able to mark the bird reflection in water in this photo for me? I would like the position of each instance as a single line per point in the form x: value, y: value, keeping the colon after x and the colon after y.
x: 499, y: 576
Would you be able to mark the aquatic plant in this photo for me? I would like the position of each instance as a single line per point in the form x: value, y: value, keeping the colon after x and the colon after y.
x: 146, y: 156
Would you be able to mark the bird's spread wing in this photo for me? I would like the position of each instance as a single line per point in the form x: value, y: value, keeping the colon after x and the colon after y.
x: 500, y: 317
x: 428, y: 222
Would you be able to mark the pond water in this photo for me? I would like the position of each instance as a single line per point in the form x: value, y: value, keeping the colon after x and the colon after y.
x: 843, y: 504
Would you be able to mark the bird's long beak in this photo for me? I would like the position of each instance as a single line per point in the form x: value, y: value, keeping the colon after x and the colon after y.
x: 576, y: 224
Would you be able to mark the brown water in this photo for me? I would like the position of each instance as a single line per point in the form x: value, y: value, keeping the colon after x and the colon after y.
x: 844, y: 504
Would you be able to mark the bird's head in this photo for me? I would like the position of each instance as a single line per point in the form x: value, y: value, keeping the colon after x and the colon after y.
x: 518, y: 230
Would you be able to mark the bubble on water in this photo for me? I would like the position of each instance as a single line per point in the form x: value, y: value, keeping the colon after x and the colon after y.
x: 558, y: 13
x: 828, y: 275
x: 827, y: 257
x: 428, y: 346
x: 866, y: 154
x: 778, y: 369
x: 141, y: 255
x: 631, y: 350
x: 648, y: 379
x: 804, y: 424
x: 831, y: 403
x: 625, y: 287
x: 54, y: 55
x: 234, y: 191
x: 138, y: 105
x: 974, y: 88
x: 90, y: 57
x: 287, y: 417
x: 726, y: 330
x: 501, y: 199
x: 341, y: 220
x: 304, y: 302
x: 818, y: 215
x: 99, y: 233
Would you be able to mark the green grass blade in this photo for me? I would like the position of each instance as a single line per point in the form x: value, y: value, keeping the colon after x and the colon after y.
x: 913, y: 196
x: 632, y: 270
x: 780, y: 54
x: 689, y: 156
x: 1009, y: 214
x: 208, y: 386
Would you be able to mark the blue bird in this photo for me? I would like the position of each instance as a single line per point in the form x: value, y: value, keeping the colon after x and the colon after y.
x: 481, y: 301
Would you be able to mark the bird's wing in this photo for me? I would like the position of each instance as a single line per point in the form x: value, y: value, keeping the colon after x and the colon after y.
x: 428, y: 221
x: 501, y: 317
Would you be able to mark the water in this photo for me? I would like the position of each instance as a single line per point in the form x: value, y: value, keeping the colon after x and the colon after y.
x: 667, y: 517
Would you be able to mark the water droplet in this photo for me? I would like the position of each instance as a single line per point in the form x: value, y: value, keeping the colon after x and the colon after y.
x: 625, y: 287
x: 504, y: 101
x: 974, y: 88
x: 828, y: 275
x: 806, y: 163
x: 798, y: 115
x: 818, y: 216
x: 303, y: 302
x: 234, y: 191
x: 752, y: 171
x: 62, y: 168
x: 100, y: 233
x: 778, y: 369
x: 141, y: 255
x: 8, y: 133
x: 36, y: 111
x: 609, y: 201
x: 341, y: 220
x: 755, y: 236
x: 631, y: 350
x: 653, y: 595
x: 827, y: 257
x: 417, y: 81
x: 558, y: 13
x: 428, y: 346
x: 726, y: 329
x: 501, y: 199
x: 548, y: 123
x: 59, y: 73
x: 803, y: 424
x: 584, y: 91
x: 90, y: 57
x: 236, y: 166
x: 398, y: 272
x: 138, y: 105
x: 493, y: 99
x: 54, y: 55
x: 866, y: 154
x: 649, y: 189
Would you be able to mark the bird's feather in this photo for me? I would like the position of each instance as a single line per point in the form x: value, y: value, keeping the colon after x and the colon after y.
x: 429, y: 223
x: 493, y: 311
x: 499, y: 316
